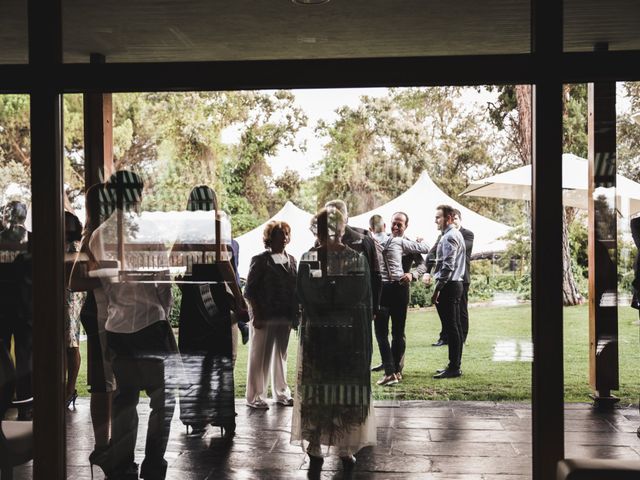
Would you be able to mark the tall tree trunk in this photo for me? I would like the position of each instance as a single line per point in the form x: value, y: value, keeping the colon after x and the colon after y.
x: 570, y: 293
x: 523, y: 99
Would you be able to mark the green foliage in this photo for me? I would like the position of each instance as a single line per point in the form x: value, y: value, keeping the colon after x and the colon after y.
x: 574, y: 121
x: 518, y: 246
x: 174, y: 314
x: 378, y: 149
x: 420, y: 295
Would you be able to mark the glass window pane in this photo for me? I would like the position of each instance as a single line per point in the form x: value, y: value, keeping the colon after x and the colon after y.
x: 162, y: 286
x: 601, y: 333
x: 16, y: 322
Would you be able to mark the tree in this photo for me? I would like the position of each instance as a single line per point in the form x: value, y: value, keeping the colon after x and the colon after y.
x: 174, y: 141
x: 512, y: 111
x: 378, y: 149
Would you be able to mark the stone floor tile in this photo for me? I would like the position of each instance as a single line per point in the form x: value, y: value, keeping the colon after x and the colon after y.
x: 445, y: 448
x: 482, y: 465
x: 457, y: 423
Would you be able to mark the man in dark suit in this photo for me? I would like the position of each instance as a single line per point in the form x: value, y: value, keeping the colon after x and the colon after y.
x: 464, y: 301
x: 361, y: 241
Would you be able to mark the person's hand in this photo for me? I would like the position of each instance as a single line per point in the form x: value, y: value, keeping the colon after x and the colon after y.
x: 406, y: 278
x: 426, y: 279
x: 435, y: 297
x: 419, y: 239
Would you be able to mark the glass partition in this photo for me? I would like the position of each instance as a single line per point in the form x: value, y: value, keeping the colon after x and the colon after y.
x: 16, y: 309
x: 257, y: 270
x: 601, y: 327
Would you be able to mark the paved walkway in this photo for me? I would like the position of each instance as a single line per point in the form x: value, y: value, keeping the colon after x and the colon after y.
x: 416, y: 440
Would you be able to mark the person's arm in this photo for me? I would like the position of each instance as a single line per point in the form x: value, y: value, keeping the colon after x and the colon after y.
x: 252, y: 288
x: 449, y: 253
x: 411, y: 246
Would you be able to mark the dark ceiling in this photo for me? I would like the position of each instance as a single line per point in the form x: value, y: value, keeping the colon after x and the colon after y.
x: 205, y: 30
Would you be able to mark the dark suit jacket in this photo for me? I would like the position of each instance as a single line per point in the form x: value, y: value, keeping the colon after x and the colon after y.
x: 271, y: 287
x: 361, y: 243
x: 468, y: 245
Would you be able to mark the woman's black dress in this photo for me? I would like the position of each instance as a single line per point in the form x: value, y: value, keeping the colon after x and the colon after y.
x: 207, y: 389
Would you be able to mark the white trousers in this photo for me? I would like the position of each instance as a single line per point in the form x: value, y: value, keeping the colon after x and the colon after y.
x: 268, y: 359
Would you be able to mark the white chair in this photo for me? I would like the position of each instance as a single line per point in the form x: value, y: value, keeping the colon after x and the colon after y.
x: 16, y: 446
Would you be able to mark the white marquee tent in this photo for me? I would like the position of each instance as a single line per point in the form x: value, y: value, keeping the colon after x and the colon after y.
x: 420, y: 203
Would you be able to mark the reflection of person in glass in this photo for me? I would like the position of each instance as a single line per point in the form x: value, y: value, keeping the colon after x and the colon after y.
x: 93, y: 316
x: 72, y: 305
x: 14, y: 216
x: 205, y: 337
x: 270, y: 291
x: 16, y: 309
x: 139, y: 338
x: 333, y: 394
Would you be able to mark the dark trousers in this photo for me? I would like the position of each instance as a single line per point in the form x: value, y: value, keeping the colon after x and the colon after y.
x: 464, y: 311
x: 464, y: 316
x: 393, y: 303
x: 140, y: 362
x: 18, y: 326
x: 448, y: 307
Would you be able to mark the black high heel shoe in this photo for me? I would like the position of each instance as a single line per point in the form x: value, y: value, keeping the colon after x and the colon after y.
x: 72, y: 399
x: 100, y: 457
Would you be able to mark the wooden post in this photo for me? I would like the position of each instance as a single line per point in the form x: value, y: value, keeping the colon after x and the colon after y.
x: 546, y: 228
x: 603, y: 281
x: 98, y: 134
x: 45, y: 56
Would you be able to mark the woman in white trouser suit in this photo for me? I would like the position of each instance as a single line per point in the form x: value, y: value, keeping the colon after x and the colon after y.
x: 270, y: 291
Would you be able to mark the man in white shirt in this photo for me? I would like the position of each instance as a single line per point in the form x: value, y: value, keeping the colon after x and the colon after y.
x: 394, y: 300
x: 139, y: 337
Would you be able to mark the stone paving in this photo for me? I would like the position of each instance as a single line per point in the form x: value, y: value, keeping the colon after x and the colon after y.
x: 416, y: 440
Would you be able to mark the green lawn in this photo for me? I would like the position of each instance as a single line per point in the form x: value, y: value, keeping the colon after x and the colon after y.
x: 484, y: 378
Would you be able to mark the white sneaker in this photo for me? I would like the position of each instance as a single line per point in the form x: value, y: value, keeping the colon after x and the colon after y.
x: 258, y: 404
x: 287, y: 402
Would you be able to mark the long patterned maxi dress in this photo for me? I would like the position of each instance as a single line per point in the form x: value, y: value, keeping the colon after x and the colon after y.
x: 333, y: 405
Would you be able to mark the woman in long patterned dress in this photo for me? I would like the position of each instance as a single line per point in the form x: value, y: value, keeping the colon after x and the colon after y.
x: 333, y: 407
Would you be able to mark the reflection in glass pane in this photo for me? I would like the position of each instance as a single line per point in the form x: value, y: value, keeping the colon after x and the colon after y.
x: 217, y: 285
x: 16, y: 309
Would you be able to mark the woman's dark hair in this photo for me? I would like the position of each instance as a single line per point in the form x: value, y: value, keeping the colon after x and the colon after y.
x: 270, y: 227
x: 202, y: 197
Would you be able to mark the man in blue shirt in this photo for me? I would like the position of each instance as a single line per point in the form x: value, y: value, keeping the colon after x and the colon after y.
x: 449, y: 275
